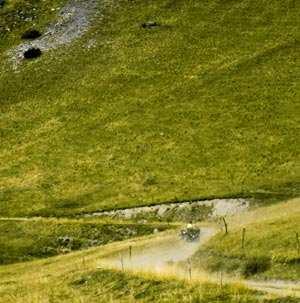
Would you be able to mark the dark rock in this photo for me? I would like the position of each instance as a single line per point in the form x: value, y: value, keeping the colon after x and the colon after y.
x: 32, y: 53
x: 150, y: 25
x: 2, y: 2
x: 31, y: 34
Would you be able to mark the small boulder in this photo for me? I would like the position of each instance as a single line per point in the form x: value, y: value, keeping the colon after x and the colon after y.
x: 150, y: 25
x: 31, y: 34
x: 65, y: 241
x: 32, y: 53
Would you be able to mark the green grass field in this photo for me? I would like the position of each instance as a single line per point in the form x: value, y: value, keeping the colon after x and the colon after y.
x: 206, y: 105
x: 270, y: 244
x: 203, y: 106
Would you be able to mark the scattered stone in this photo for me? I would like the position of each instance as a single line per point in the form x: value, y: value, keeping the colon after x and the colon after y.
x: 130, y: 232
x: 184, y: 211
x: 32, y: 53
x: 65, y: 241
x: 31, y: 34
x: 64, y: 250
x: 91, y: 43
x: 150, y: 25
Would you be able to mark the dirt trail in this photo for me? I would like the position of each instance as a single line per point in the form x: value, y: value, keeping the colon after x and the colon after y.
x: 159, y: 255
x: 278, y: 287
x: 165, y: 256
x: 17, y: 219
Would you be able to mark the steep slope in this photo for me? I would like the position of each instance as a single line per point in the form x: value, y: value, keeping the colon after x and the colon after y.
x: 203, y: 105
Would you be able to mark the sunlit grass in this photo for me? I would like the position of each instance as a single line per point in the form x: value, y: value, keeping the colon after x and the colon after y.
x: 77, y: 277
x: 204, y: 106
x: 270, y: 241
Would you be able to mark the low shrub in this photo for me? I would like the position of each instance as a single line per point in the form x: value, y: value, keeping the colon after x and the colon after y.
x: 32, y: 53
x: 31, y: 34
x: 255, y: 265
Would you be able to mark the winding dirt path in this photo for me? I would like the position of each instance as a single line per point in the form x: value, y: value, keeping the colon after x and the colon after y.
x: 160, y: 254
x: 166, y: 255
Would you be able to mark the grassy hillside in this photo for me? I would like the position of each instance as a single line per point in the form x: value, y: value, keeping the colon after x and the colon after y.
x: 120, y: 287
x: 28, y: 240
x: 75, y: 278
x: 204, y: 105
x: 270, y: 247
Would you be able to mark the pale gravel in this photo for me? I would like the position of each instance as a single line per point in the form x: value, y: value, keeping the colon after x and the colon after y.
x: 220, y: 207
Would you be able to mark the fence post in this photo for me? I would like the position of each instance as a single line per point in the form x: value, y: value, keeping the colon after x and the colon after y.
x: 190, y: 269
x: 298, y: 243
x: 225, y: 225
x: 122, y: 262
x: 243, y: 237
x: 130, y: 251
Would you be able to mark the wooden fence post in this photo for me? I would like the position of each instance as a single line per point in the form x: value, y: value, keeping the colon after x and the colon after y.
x: 190, y: 269
x: 243, y: 237
x: 122, y: 262
x: 225, y: 225
x: 130, y: 252
x: 298, y: 243
x: 221, y: 279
